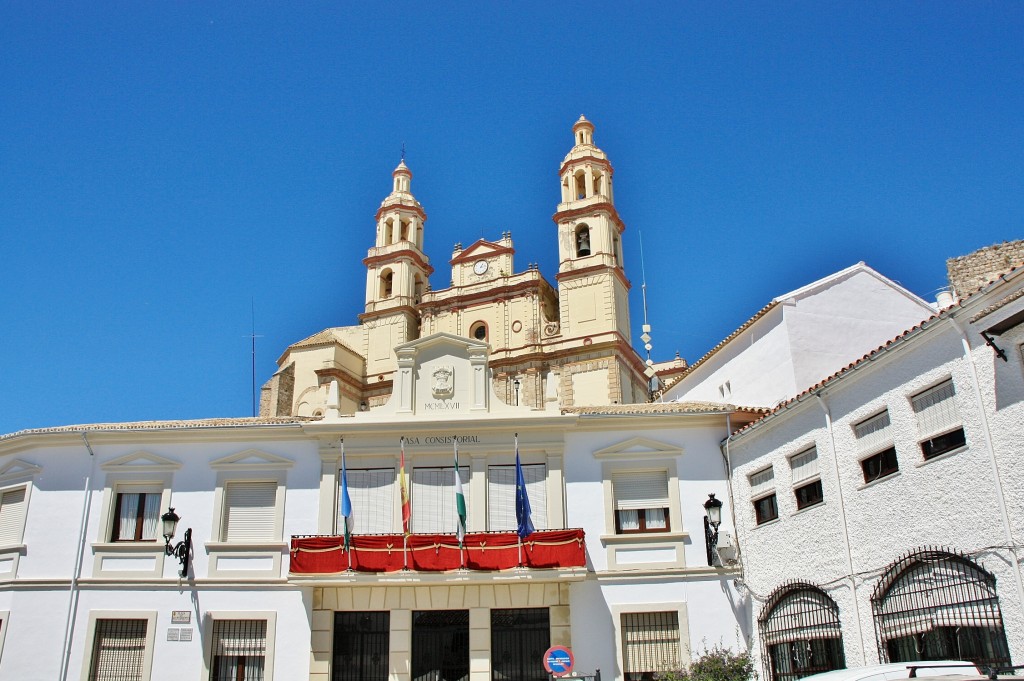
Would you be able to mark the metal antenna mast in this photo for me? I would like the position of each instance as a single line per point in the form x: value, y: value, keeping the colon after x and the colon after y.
x: 253, y: 337
x: 652, y: 380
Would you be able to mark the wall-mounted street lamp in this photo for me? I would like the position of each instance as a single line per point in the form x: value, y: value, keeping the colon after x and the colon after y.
x: 712, y: 519
x: 182, y: 549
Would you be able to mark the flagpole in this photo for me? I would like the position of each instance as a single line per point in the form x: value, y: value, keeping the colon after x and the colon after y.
x: 519, y: 537
x: 460, y: 529
x: 404, y: 494
x: 344, y: 479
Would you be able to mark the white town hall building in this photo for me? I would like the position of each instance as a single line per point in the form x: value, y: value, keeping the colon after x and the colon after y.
x: 502, y: 368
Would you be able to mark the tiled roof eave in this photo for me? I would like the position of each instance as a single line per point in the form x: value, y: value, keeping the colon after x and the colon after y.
x: 902, y: 339
x: 259, y: 421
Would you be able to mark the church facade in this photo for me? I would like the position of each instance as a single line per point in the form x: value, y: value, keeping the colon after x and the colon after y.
x: 550, y: 343
x: 501, y: 381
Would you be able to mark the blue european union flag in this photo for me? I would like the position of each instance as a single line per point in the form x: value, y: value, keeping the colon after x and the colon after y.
x: 524, y: 524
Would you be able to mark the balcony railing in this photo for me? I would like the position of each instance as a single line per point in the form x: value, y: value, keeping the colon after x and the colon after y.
x: 326, y: 554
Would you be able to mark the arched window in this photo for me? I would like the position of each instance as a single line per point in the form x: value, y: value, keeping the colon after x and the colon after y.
x: 933, y: 604
x: 800, y: 633
x: 389, y: 231
x: 387, y: 278
x: 599, y: 183
x: 405, y: 230
x: 582, y: 241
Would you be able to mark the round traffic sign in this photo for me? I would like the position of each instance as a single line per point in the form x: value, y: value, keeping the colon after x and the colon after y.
x: 558, y: 660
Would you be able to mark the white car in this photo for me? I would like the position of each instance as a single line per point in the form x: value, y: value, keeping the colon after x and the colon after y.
x: 900, y: 670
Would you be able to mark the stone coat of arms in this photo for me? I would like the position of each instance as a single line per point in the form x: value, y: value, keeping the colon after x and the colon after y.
x: 442, y: 382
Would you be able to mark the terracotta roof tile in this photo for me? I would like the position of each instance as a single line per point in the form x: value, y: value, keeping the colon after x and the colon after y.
x: 725, y: 341
x: 662, y: 408
x: 164, y: 425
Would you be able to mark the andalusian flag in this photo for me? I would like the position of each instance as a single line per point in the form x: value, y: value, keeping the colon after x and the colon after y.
x: 524, y: 524
x: 404, y: 485
x: 460, y: 498
x: 346, y: 502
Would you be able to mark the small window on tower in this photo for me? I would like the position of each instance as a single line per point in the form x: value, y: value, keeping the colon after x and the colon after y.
x: 582, y: 241
x: 478, y: 331
x: 581, y: 185
x: 386, y: 280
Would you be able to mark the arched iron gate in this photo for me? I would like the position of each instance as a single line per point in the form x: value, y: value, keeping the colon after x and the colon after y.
x: 800, y: 633
x: 934, y: 604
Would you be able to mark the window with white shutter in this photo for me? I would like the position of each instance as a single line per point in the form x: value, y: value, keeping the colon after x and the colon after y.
x: 239, y: 650
x: 804, y: 465
x: 650, y: 644
x: 762, y: 493
x: 501, y: 496
x: 873, y: 433
x: 118, y: 650
x: 761, y: 482
x: 372, y: 493
x: 249, y: 511
x: 874, y: 440
x: 806, y: 480
x: 641, y: 501
x: 433, y: 499
x: 938, y: 421
x: 12, y: 516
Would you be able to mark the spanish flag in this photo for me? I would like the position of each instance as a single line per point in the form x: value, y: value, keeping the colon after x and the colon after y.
x: 404, y: 484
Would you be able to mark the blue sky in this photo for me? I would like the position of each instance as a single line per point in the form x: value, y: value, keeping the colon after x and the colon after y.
x: 164, y: 166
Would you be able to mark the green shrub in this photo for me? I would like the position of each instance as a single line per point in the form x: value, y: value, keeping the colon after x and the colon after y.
x: 717, y: 663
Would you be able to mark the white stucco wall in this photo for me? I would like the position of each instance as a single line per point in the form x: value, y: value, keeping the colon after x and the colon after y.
x: 811, y: 333
x: 42, y: 599
x: 950, y: 501
x: 711, y: 609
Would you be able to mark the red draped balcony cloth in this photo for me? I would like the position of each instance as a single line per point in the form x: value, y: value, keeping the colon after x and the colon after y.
x: 325, y: 555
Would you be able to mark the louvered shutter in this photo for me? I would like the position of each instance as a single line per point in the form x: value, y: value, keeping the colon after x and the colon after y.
x: 804, y: 465
x: 873, y: 433
x: 249, y: 511
x: 12, y: 516
x: 936, y: 409
x: 501, y: 496
x: 119, y: 650
x: 762, y: 481
x: 372, y: 492
x: 433, y: 498
x: 650, y: 642
x: 640, y: 490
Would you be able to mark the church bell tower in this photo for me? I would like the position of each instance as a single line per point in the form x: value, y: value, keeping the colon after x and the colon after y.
x: 592, y: 286
x: 397, y: 271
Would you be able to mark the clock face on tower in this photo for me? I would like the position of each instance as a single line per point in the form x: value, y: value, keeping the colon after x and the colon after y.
x: 480, y: 266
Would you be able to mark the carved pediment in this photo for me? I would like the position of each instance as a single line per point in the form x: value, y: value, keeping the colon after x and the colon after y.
x: 142, y: 462
x: 638, y: 448
x: 251, y: 459
x: 480, y: 249
x: 18, y: 470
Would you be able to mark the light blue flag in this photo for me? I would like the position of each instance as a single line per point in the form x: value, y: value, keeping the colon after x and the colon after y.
x: 346, y: 502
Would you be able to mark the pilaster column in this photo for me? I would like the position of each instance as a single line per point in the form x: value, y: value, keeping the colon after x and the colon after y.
x: 478, y: 366
x: 479, y: 644
x: 404, y: 381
